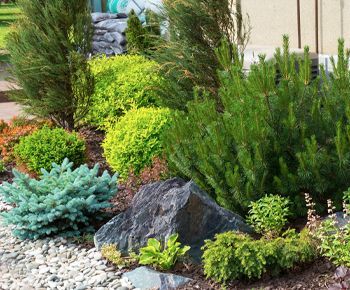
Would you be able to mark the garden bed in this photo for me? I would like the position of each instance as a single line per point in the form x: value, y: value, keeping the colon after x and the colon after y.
x: 318, y: 275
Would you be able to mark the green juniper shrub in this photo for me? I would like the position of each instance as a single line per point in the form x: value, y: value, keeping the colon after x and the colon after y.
x: 122, y: 82
x: 133, y: 142
x: 141, y: 38
x: 234, y: 255
x: 63, y: 201
x: 277, y: 132
x: 163, y: 257
x: 269, y: 215
x: 48, y: 49
x: 135, y: 34
x: 46, y: 146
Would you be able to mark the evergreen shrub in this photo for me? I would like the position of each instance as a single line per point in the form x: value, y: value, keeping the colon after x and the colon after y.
x: 277, y: 132
x: 122, y: 82
x: 141, y: 38
x: 133, y: 142
x: 45, y: 146
x: 63, y: 201
x: 187, y: 56
x: 234, y: 255
x: 49, y: 48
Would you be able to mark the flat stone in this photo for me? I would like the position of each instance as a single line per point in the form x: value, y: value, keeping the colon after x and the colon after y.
x: 146, y: 278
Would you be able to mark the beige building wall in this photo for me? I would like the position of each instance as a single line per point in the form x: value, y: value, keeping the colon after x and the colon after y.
x: 270, y: 19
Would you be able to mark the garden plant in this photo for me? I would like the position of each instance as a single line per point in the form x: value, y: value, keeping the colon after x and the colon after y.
x: 278, y: 132
x: 48, y: 48
x: 63, y: 201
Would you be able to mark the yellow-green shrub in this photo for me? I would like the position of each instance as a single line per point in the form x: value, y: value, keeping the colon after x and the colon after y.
x: 235, y: 255
x: 135, y: 139
x: 46, y: 146
x: 121, y: 83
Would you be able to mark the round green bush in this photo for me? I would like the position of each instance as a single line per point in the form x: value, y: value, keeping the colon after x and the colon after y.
x: 135, y: 139
x: 47, y: 145
x: 121, y: 83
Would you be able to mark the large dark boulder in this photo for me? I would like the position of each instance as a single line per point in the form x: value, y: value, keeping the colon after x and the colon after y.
x: 163, y: 208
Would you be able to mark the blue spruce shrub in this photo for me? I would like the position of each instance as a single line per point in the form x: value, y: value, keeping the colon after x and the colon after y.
x: 62, y: 201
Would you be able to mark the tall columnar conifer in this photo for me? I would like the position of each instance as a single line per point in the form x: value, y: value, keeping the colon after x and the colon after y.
x: 48, y: 46
x: 188, y: 58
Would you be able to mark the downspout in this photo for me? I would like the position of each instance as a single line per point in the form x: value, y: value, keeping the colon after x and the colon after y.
x: 299, y: 23
x: 316, y: 26
x: 239, y: 19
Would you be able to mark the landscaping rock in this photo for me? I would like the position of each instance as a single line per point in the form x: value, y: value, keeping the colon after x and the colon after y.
x: 109, y: 37
x: 163, y: 208
x: 341, y: 219
x: 145, y: 278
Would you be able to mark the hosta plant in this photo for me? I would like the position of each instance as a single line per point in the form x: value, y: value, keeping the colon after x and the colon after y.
x: 165, y: 257
x: 63, y: 201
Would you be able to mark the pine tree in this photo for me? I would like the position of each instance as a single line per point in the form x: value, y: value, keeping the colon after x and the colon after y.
x: 48, y: 48
x: 187, y: 58
x: 278, y: 132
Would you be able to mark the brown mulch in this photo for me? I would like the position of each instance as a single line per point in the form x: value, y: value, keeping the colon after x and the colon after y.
x: 4, y: 98
x: 94, y: 151
x: 318, y: 275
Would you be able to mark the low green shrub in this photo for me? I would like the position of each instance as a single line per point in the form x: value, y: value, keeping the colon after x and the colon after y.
x: 63, y: 201
x: 121, y: 83
x: 163, y: 257
x: 269, y: 215
x: 135, y: 139
x: 46, y: 146
x: 234, y: 255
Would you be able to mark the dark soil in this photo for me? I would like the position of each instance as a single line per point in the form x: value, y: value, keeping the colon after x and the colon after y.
x: 318, y: 275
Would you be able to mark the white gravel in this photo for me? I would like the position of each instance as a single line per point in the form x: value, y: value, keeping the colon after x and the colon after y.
x: 53, y: 263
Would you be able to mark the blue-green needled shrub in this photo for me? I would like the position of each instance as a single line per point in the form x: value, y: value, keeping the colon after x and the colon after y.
x: 61, y: 202
x: 121, y: 83
x: 46, y: 146
x: 136, y: 139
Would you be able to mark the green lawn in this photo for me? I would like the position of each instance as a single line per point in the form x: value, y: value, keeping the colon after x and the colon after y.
x: 8, y: 14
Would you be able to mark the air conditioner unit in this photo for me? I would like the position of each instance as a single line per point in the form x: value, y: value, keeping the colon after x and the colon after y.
x: 251, y: 56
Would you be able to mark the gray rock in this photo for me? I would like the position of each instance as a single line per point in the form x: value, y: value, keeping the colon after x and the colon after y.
x: 341, y: 219
x: 115, y: 36
x: 163, y: 208
x: 145, y: 278
x: 112, y: 25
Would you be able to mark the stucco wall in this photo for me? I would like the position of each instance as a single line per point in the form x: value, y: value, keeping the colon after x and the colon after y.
x: 272, y: 18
